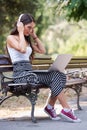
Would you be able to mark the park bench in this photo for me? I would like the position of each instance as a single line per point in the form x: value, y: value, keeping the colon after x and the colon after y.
x: 30, y: 90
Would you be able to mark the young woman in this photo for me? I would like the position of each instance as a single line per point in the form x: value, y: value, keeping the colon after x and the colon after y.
x: 21, y: 50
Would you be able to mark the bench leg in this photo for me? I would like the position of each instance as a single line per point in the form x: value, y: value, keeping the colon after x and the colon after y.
x: 32, y: 113
x: 2, y: 99
x: 78, y: 90
x: 32, y: 98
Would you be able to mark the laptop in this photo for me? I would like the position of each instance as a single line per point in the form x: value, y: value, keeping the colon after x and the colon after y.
x: 59, y: 63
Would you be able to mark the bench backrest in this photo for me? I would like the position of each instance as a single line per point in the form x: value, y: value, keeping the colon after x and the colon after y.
x: 43, y: 63
x: 78, y: 62
x: 37, y: 63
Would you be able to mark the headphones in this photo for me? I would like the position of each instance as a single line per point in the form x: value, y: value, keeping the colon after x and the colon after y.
x: 20, y: 17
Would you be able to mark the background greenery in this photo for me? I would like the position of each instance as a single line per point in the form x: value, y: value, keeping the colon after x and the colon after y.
x: 61, y: 24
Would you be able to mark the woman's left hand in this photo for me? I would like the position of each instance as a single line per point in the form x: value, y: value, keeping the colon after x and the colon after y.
x: 33, y: 34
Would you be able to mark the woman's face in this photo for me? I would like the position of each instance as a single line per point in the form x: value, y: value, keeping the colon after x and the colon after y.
x: 29, y: 28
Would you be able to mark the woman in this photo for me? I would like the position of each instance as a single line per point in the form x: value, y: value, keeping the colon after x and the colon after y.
x: 21, y: 50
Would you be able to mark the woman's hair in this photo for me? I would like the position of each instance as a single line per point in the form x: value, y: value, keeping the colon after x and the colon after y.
x: 25, y: 19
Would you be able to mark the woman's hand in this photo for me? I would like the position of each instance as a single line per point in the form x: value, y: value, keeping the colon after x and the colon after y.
x: 33, y: 34
x: 20, y: 27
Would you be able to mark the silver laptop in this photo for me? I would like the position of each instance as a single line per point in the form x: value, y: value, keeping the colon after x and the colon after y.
x: 59, y: 63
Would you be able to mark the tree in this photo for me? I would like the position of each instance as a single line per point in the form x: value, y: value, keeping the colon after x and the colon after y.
x: 73, y: 9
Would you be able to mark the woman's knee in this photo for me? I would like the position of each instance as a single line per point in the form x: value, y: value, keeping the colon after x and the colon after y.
x: 58, y: 74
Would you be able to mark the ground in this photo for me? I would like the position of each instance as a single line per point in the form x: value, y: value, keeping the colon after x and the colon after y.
x: 18, y: 106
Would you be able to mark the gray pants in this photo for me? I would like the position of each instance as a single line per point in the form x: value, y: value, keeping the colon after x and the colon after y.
x: 55, y: 80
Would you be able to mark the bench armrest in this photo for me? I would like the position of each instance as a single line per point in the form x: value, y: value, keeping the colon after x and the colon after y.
x: 17, y: 77
x: 32, y: 78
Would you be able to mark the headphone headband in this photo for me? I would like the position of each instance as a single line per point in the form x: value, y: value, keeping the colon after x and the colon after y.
x: 20, y: 17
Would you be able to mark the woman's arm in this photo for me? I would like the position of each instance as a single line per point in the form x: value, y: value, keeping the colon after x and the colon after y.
x: 18, y: 42
x: 38, y: 45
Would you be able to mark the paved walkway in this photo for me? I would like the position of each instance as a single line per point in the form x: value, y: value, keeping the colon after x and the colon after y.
x: 23, y: 122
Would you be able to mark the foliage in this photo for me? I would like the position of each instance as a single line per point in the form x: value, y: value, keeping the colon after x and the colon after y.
x: 77, y: 43
x: 67, y: 37
x: 10, y: 10
x: 73, y: 9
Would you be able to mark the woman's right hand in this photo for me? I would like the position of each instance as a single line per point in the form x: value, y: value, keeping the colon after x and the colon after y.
x: 20, y: 27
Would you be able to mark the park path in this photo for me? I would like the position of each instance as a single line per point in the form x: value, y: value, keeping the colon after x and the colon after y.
x: 21, y: 120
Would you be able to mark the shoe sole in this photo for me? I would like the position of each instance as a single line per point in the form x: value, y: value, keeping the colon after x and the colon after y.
x: 69, y: 119
x: 56, y: 119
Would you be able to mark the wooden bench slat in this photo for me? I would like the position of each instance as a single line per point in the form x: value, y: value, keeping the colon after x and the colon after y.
x: 75, y: 81
x: 77, y: 61
x: 16, y: 84
x: 37, y: 62
x: 70, y: 66
x: 39, y: 67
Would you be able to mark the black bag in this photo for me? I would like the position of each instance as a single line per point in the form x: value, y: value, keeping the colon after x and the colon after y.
x: 4, y: 60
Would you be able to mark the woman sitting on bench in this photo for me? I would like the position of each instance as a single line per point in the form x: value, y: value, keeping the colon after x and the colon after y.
x: 21, y: 50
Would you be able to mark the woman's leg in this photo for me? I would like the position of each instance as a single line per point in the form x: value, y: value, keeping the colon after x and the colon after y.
x: 57, y: 84
x: 62, y: 99
x: 56, y: 81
